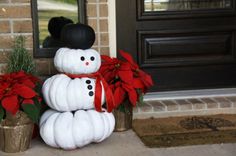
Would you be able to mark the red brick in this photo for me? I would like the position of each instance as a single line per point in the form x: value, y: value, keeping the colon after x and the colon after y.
x: 22, y: 26
x: 105, y: 51
x: 104, y: 39
x: 20, y: 1
x: 145, y: 107
x: 52, y: 70
x: 224, y: 103
x: 211, y: 104
x: 103, y: 24
x: 91, y: 10
x: 5, y: 27
x: 42, y: 66
x: 29, y: 41
x: 6, y: 42
x: 103, y: 10
x: 232, y: 99
x: 3, y: 56
x: 15, y: 12
x: 96, y: 40
x: 157, y: 106
x: 93, y: 24
x: 197, y: 104
x: 3, y: 68
x: 4, y: 1
x: 184, y: 105
x: 171, y: 105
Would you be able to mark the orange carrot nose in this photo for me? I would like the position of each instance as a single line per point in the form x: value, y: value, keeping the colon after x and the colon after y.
x: 86, y: 63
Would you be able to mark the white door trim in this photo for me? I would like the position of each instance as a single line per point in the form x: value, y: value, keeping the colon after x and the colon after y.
x: 187, y: 94
x: 112, y: 27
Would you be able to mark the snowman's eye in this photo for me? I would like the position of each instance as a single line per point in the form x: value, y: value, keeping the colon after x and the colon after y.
x: 92, y: 58
x: 82, y: 58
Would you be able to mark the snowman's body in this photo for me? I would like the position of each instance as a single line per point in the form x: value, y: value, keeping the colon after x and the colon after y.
x: 69, y: 130
x: 63, y: 93
x: 59, y: 127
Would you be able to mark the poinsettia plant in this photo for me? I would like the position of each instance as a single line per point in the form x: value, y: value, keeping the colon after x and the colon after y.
x: 19, y: 89
x: 18, y: 92
x: 125, y: 78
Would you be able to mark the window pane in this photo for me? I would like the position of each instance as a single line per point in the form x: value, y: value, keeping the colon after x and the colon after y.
x: 180, y: 5
x: 47, y: 9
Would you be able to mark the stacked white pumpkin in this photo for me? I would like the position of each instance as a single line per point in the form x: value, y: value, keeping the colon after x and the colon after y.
x: 72, y: 120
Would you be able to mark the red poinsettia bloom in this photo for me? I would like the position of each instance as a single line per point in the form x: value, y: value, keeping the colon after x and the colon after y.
x: 109, y: 67
x: 125, y: 78
x: 141, y: 79
x: 120, y: 90
x: 15, y: 88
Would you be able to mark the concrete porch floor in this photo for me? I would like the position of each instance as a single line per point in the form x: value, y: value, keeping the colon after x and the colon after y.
x: 128, y: 144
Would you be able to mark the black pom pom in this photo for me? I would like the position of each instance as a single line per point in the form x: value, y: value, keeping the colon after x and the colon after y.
x: 78, y: 36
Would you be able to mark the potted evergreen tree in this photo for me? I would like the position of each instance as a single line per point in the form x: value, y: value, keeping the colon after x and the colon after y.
x: 20, y: 100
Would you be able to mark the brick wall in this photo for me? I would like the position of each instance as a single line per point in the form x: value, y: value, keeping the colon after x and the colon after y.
x: 16, y: 19
x: 97, y: 15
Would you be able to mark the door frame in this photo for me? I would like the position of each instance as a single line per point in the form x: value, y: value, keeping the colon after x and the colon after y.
x: 112, y: 27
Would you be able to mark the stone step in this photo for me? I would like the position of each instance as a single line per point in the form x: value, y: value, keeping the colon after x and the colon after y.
x: 187, y: 106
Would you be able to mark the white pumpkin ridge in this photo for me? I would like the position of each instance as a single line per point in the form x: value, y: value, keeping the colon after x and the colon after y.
x: 68, y: 131
x: 69, y: 61
x: 65, y: 94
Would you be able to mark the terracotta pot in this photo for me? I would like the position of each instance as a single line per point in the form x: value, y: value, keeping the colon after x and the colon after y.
x: 15, y: 133
x: 123, y: 117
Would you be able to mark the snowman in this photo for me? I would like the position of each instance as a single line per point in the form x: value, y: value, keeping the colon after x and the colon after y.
x: 77, y: 95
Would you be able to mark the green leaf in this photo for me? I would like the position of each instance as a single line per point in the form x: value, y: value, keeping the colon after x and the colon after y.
x: 125, y: 107
x: 121, y: 107
x: 2, y: 113
x: 141, y: 99
x: 32, y: 111
x: 37, y: 103
x: 38, y: 88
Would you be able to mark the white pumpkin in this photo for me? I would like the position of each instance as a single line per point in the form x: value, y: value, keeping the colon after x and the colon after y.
x: 65, y: 94
x: 77, y: 61
x: 69, y: 131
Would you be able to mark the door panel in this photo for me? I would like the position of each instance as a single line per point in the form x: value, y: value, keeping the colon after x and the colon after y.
x: 161, y: 9
x: 178, y: 5
x: 194, y: 77
x: 181, y: 49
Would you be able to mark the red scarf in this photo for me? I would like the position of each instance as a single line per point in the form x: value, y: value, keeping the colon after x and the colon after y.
x: 98, y: 90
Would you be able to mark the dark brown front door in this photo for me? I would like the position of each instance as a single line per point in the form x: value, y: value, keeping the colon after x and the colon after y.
x: 183, y: 44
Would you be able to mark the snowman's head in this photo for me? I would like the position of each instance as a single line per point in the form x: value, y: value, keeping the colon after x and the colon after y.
x: 77, y: 61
